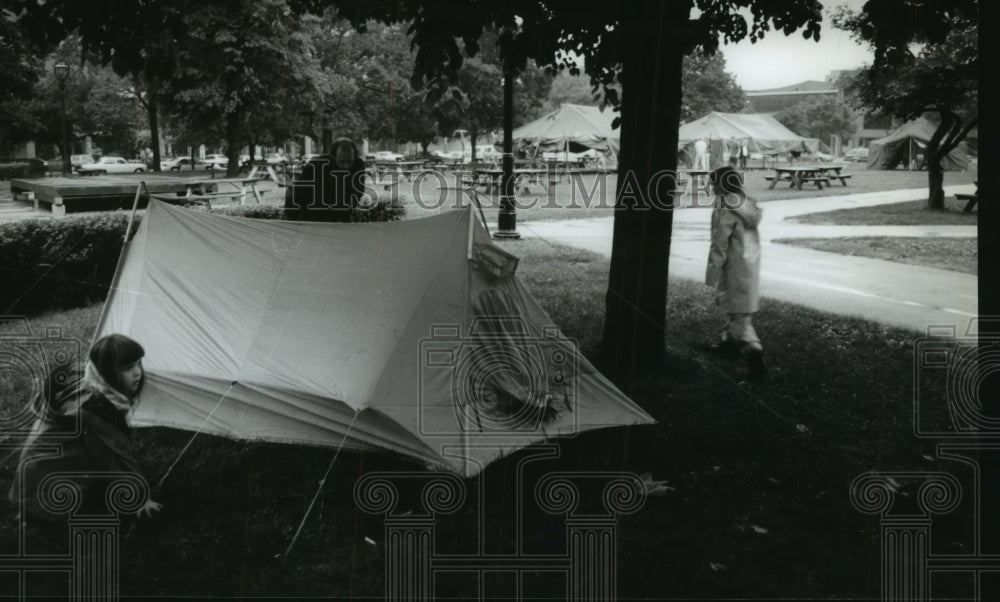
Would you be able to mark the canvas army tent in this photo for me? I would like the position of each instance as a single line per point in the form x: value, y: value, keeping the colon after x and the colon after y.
x: 909, y: 141
x: 764, y: 133
x: 571, y: 127
x: 415, y: 337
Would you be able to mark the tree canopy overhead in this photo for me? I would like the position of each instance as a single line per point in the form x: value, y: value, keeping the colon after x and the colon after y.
x: 926, y: 61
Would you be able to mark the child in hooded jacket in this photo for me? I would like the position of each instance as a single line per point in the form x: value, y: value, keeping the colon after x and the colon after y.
x: 734, y: 267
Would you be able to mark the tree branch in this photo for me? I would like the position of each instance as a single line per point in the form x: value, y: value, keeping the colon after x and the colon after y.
x: 951, y: 144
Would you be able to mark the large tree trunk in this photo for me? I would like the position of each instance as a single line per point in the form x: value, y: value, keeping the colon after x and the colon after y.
x: 154, y: 129
x: 635, y: 324
x: 473, y: 137
x: 935, y: 183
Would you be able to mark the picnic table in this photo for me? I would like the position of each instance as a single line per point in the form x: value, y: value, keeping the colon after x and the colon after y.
x: 405, y: 169
x: 971, y: 199
x: 279, y: 173
x: 797, y: 175
x: 491, y: 177
x: 204, y: 191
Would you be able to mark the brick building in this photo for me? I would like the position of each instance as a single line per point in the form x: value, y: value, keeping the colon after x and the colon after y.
x: 773, y: 100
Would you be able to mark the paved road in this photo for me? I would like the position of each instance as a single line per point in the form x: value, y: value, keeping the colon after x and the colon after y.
x: 898, y: 294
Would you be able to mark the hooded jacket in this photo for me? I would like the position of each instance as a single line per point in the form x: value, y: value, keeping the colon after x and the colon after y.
x: 734, y: 255
x: 83, y: 437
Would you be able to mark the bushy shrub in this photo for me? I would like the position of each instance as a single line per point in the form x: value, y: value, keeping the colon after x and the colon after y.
x: 380, y: 212
x: 22, y: 168
x: 59, y: 264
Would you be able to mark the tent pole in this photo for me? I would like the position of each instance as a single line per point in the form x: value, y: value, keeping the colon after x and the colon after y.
x: 507, y: 219
x: 121, y: 258
x: 319, y: 489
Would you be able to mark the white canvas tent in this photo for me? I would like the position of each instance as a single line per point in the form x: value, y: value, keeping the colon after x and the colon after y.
x: 415, y: 337
x: 571, y: 128
x: 764, y: 133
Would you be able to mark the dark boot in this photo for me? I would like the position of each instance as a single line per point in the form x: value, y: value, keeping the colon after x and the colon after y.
x: 728, y: 349
x: 758, y: 367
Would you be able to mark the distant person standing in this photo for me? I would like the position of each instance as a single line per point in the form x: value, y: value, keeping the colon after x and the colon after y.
x: 744, y: 154
x: 701, y: 155
x: 734, y: 152
x: 734, y: 268
x: 329, y: 187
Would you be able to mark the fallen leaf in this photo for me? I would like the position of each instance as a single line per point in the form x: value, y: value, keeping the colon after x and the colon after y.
x: 760, y: 530
x: 653, y: 487
x: 716, y: 566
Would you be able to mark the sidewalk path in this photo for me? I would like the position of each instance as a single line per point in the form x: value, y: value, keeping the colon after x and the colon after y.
x: 892, y: 293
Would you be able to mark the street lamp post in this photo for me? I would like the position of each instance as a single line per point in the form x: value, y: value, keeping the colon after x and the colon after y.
x: 61, y: 70
x: 507, y: 219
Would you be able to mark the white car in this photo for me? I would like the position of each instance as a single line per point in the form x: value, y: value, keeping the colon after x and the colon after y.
x: 116, y: 165
x: 857, y: 154
x: 388, y: 156
x: 216, y: 160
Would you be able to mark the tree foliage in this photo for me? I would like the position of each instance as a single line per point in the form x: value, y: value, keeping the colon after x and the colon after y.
x: 707, y: 87
x: 926, y: 61
x: 819, y: 117
x: 19, y: 71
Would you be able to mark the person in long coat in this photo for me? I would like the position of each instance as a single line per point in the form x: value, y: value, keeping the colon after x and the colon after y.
x: 329, y: 187
x: 84, y: 415
x: 734, y: 267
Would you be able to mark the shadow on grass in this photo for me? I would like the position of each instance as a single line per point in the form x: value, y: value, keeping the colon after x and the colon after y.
x: 759, y: 477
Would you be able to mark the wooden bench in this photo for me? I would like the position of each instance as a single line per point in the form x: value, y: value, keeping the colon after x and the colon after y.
x: 818, y: 180
x: 842, y: 177
x: 971, y: 198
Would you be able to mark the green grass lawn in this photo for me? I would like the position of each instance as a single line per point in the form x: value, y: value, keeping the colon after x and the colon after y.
x: 958, y: 254
x: 913, y: 213
x: 760, y: 476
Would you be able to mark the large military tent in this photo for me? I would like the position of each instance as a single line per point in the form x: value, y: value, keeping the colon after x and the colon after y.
x: 908, y: 142
x: 571, y: 127
x: 414, y: 337
x: 764, y: 133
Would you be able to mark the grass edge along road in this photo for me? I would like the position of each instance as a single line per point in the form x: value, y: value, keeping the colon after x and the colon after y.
x: 956, y: 254
x: 758, y: 501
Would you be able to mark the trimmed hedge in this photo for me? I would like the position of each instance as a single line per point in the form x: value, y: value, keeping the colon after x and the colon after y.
x: 65, y: 263
x: 22, y: 168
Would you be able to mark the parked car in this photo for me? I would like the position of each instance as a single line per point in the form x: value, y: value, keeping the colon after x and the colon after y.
x: 22, y: 168
x: 388, y: 156
x: 179, y: 163
x: 216, y: 160
x: 115, y: 165
x: 857, y: 154
x: 76, y: 161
